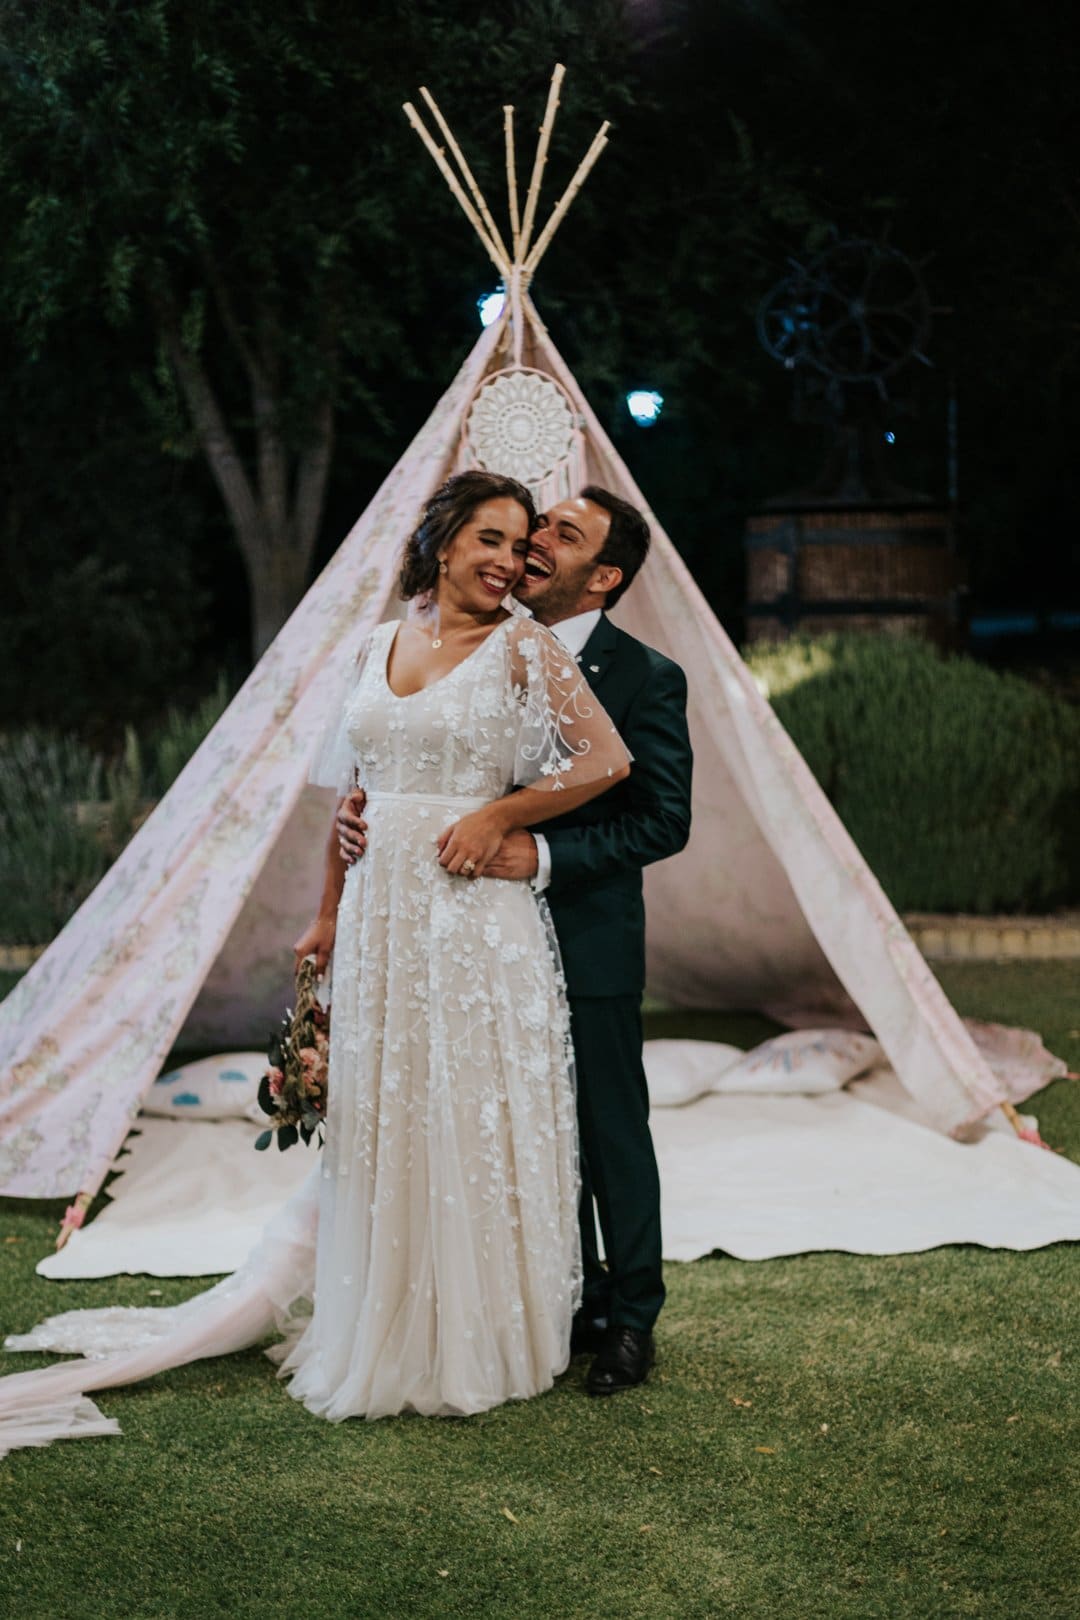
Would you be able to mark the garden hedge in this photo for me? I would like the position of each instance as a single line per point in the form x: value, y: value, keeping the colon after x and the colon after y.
x: 960, y: 785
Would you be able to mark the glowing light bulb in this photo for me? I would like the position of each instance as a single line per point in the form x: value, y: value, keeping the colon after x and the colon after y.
x: 490, y: 306
x: 644, y: 405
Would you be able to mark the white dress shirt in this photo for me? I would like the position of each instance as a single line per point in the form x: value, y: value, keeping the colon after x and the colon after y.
x: 573, y: 633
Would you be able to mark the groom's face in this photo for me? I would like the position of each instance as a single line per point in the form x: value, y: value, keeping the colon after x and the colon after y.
x: 561, y: 573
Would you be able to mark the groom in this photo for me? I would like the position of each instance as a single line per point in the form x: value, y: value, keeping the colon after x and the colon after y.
x: 582, y: 557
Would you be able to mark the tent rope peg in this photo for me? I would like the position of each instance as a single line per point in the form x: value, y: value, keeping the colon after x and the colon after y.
x: 74, y: 1216
x: 1024, y: 1132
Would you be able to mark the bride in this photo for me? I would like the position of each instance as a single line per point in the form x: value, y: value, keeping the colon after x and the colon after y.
x: 429, y: 1262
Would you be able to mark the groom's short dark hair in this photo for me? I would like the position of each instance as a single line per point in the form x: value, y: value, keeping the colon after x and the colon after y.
x: 627, y: 543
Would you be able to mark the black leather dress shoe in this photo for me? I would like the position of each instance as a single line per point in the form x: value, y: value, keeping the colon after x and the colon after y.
x: 588, y: 1334
x: 624, y: 1361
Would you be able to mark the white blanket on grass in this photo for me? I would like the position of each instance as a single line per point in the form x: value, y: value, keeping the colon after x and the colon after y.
x: 754, y: 1175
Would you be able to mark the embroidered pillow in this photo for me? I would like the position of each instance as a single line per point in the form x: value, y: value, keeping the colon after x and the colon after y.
x: 806, y: 1062
x: 221, y: 1087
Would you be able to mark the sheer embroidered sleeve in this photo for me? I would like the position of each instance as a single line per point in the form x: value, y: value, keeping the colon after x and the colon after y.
x: 565, y: 737
x: 333, y: 761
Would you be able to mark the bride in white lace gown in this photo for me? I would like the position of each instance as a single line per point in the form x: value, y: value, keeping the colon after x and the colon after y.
x: 430, y: 1260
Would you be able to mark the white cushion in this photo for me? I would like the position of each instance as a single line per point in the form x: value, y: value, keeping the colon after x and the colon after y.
x: 221, y: 1087
x: 679, y: 1071
x: 803, y: 1061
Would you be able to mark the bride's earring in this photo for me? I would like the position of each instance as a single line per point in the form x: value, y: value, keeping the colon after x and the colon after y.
x: 436, y: 640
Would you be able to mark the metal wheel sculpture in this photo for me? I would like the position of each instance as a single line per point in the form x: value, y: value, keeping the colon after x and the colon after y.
x: 856, y: 313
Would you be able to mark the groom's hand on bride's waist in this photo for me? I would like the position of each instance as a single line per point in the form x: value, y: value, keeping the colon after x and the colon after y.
x: 516, y: 858
x: 352, y: 827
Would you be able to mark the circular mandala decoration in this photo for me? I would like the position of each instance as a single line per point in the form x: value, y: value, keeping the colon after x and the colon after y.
x: 521, y: 424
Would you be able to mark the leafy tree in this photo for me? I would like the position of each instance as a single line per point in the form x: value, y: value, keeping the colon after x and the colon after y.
x: 110, y: 590
x: 241, y: 181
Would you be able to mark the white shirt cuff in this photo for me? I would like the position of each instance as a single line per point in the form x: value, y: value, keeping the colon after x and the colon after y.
x: 543, y: 864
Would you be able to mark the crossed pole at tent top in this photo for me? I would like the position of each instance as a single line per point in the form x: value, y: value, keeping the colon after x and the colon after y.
x: 517, y: 264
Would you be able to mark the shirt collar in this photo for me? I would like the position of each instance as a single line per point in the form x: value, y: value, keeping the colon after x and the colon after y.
x: 575, y: 632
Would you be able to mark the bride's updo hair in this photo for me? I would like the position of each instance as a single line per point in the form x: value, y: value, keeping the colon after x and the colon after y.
x: 445, y: 513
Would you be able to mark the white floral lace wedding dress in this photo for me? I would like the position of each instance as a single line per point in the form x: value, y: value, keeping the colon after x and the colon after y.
x: 430, y: 1260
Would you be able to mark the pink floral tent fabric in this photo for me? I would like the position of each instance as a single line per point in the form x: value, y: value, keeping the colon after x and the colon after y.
x: 188, y: 937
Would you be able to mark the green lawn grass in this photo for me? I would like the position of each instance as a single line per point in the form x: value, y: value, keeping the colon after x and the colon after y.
x: 825, y: 1435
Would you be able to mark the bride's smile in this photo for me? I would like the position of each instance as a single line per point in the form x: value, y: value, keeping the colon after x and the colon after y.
x: 484, y: 561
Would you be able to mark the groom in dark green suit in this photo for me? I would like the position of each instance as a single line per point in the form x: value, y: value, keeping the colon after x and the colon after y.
x: 582, y: 557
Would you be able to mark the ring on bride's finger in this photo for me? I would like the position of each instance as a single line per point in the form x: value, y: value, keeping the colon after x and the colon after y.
x: 468, y: 868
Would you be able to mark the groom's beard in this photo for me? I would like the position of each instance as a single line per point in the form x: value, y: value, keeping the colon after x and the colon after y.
x: 551, y: 601
x: 543, y: 611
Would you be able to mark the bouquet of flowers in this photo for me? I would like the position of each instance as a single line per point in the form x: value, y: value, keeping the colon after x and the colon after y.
x: 293, y: 1089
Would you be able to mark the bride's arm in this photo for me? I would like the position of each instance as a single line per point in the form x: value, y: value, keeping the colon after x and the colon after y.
x: 567, y: 749
x: 317, y: 940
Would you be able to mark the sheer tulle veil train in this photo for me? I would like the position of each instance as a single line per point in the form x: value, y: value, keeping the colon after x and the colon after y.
x: 121, y: 1345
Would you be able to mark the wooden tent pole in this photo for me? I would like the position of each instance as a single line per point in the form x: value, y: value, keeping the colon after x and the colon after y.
x: 544, y: 240
x: 453, y: 182
x: 541, y: 157
x: 511, y: 182
x: 459, y: 156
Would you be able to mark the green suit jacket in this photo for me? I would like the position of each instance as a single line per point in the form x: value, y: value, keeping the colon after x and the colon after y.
x: 598, y: 851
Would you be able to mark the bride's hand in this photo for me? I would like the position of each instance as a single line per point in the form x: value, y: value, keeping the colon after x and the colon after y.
x: 475, y: 838
x: 317, y: 941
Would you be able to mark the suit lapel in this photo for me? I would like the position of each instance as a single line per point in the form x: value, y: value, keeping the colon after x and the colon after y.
x: 594, y: 659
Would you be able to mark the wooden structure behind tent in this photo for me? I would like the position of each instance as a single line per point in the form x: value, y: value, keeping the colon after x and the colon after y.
x: 886, y: 569
x: 855, y: 550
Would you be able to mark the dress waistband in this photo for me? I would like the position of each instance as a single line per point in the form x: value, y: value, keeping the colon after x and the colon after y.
x: 453, y: 801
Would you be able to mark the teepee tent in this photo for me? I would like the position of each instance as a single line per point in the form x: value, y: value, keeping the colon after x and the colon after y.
x: 189, y: 935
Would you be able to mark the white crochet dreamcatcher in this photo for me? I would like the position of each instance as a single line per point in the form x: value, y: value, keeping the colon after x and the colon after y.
x: 521, y: 423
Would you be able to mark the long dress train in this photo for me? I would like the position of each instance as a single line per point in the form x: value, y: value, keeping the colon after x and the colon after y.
x: 430, y: 1260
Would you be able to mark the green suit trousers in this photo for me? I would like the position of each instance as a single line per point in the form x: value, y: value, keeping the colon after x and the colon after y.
x: 618, y: 1165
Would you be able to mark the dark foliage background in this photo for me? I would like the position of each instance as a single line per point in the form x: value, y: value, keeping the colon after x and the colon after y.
x: 131, y: 135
